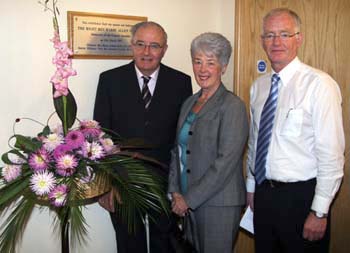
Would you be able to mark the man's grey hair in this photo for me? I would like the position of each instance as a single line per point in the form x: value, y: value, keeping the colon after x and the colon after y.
x: 212, y: 44
x: 147, y: 24
x: 278, y: 11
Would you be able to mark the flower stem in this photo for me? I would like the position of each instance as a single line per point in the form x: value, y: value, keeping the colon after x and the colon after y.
x: 64, y: 123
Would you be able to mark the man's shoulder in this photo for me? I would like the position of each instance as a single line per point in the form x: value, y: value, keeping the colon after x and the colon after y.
x: 121, y: 70
x: 171, y: 71
x: 310, y: 70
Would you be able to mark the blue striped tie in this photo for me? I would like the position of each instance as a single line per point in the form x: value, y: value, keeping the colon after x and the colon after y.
x: 265, y: 130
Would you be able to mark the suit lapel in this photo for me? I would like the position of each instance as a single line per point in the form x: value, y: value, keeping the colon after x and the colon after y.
x: 134, y: 84
x: 212, y: 102
x: 186, y: 111
x: 160, y: 91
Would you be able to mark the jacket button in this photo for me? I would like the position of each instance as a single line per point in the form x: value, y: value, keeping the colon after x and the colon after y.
x: 188, y: 171
x: 188, y: 152
x: 190, y: 133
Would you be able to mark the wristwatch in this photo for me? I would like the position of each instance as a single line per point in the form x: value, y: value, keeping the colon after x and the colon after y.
x: 319, y: 215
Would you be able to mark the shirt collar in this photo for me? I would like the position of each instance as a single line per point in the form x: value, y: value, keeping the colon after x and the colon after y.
x: 153, y: 76
x: 288, y: 71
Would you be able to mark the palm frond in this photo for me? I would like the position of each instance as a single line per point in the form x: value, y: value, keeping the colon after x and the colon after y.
x: 77, y: 226
x: 70, y: 218
x: 13, y: 228
x: 12, y: 191
x: 140, y: 189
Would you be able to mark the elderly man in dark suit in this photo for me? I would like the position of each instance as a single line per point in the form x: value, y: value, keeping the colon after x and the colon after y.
x: 142, y: 99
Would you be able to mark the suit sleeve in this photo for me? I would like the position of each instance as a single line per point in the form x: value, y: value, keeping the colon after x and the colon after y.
x: 102, y: 109
x: 187, y: 90
x: 173, y: 182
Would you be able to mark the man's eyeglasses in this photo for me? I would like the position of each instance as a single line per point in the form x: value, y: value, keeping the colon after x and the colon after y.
x: 282, y: 36
x: 140, y: 45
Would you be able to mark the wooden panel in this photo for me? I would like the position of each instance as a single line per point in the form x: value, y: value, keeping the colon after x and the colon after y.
x: 325, y: 25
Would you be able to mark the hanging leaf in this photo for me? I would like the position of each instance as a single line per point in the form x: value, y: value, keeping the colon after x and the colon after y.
x: 66, y: 109
x: 5, y: 157
x: 46, y: 131
x: 27, y: 144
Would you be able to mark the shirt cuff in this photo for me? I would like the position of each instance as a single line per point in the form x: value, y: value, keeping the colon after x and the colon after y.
x: 320, y: 204
x: 250, y: 185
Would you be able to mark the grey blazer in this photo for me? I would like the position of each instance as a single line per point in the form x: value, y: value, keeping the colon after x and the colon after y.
x: 214, y: 153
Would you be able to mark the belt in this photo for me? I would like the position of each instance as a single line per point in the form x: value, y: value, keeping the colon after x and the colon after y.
x: 275, y: 184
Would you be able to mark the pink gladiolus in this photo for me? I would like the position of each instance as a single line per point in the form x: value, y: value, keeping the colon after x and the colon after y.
x: 63, y: 66
x: 60, y: 60
x: 63, y: 47
x: 60, y: 84
x: 56, y: 38
x: 66, y: 72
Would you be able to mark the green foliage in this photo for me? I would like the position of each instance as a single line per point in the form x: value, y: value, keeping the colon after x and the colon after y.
x: 13, y: 228
x: 27, y: 144
x: 141, y: 191
x: 66, y: 109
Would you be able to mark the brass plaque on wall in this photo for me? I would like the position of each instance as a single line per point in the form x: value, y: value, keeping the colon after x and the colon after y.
x: 100, y: 36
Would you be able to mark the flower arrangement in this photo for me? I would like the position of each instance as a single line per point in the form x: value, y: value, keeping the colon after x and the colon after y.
x: 68, y: 166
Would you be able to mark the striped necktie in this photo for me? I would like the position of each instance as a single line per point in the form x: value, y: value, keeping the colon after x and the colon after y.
x: 146, y: 94
x: 265, y: 130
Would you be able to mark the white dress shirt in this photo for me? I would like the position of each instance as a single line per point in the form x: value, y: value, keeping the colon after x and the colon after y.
x: 307, y: 138
x: 152, y: 82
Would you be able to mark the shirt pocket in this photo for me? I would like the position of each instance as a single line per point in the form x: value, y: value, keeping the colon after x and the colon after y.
x: 291, y: 124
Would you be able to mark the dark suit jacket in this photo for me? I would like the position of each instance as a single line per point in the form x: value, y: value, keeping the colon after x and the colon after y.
x: 119, y: 107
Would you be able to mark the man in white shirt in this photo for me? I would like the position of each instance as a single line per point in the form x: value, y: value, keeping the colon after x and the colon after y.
x: 296, y: 145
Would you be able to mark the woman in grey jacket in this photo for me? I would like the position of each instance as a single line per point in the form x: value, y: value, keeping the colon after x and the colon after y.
x: 206, y: 174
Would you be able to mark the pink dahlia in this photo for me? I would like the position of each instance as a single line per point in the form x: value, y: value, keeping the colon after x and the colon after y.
x: 42, y: 183
x: 11, y: 172
x: 40, y: 160
x: 58, y: 196
x: 108, y: 145
x: 61, y: 150
x: 66, y: 161
x: 92, y: 151
x: 75, y: 139
x: 66, y: 164
x: 90, y: 128
x: 52, y: 141
x: 65, y: 172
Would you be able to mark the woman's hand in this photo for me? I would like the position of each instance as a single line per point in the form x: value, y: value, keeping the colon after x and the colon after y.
x: 179, y: 205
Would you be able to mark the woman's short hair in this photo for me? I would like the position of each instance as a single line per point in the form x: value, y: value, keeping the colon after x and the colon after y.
x: 212, y: 44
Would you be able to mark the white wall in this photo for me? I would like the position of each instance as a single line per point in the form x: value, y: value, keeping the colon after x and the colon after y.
x: 25, y: 70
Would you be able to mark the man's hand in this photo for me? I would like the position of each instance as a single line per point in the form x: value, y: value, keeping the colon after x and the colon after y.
x: 178, y: 204
x: 314, y: 228
x: 250, y: 200
x: 107, y: 200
